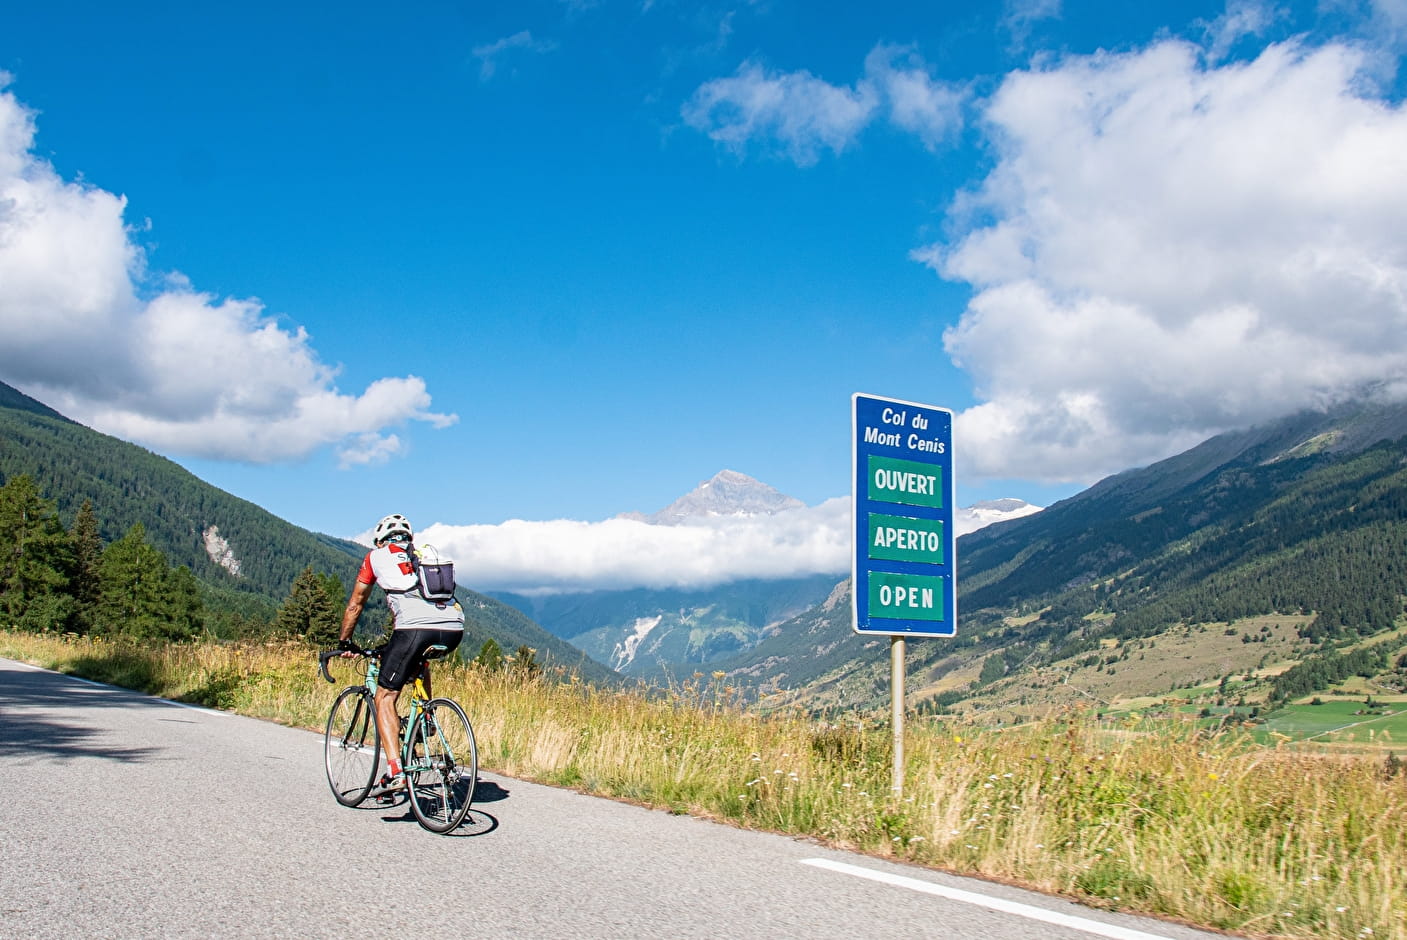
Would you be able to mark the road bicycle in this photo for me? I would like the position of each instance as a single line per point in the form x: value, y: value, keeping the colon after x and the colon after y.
x: 438, y: 752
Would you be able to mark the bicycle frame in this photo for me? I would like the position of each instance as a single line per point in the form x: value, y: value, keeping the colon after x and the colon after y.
x: 419, y: 698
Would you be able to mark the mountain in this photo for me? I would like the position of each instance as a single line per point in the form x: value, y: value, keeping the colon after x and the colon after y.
x: 658, y: 634
x: 655, y: 634
x: 727, y: 493
x: 1251, y: 553
x: 244, y: 557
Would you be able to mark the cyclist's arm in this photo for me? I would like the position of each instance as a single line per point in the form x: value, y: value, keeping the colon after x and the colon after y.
x: 361, y: 592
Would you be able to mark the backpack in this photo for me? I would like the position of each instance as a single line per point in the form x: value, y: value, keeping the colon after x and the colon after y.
x: 436, y: 576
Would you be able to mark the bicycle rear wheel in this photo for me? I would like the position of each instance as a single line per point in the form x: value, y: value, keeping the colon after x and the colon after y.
x: 352, y: 749
x: 445, y: 768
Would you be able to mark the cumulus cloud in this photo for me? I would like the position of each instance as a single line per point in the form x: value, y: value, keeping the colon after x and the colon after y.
x: 564, y: 555
x: 169, y: 366
x: 1166, y: 249
x: 799, y: 116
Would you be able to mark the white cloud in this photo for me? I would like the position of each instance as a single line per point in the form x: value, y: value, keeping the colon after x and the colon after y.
x: 1241, y: 18
x: 173, y: 368
x: 918, y: 103
x: 799, y: 115
x: 1167, y: 250
x: 1021, y: 16
x: 564, y: 555
x: 489, y: 54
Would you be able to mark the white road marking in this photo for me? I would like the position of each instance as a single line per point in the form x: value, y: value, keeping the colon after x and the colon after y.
x: 982, y: 900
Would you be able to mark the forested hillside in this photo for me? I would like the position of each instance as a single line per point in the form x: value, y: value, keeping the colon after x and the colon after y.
x: 212, y: 562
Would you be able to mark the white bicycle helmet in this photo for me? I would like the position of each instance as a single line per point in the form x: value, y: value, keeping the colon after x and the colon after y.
x: 390, y: 527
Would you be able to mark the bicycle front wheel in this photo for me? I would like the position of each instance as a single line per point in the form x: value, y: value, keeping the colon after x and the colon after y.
x: 352, y: 749
x: 444, y: 766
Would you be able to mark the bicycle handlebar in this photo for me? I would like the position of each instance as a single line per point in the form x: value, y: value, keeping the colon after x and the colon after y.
x: 323, y: 657
x: 327, y: 655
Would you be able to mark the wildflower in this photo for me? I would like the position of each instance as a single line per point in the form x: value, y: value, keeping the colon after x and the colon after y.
x: 1212, y: 775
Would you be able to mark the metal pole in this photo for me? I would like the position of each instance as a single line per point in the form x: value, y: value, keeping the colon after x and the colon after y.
x: 896, y: 677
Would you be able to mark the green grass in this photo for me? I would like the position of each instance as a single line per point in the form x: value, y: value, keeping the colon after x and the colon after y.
x: 1339, y: 721
x: 1156, y: 816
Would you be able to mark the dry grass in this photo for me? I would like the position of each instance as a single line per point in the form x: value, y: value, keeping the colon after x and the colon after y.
x: 1151, y: 818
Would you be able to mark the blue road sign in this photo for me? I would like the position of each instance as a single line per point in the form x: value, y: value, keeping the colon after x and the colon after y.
x: 904, y: 564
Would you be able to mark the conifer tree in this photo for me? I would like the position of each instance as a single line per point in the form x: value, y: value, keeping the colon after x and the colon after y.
x: 490, y: 655
x: 86, y: 586
x: 36, y: 559
x: 140, y: 597
x: 311, y: 609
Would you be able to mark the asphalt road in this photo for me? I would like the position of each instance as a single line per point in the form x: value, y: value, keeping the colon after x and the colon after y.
x: 124, y: 815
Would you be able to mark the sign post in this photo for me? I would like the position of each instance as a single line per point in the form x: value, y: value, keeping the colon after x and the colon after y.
x: 904, y: 566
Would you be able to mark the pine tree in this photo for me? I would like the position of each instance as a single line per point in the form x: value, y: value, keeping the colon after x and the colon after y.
x: 311, y: 610
x: 137, y: 598
x: 185, y: 609
x: 86, y: 586
x: 36, y: 559
x: 490, y: 655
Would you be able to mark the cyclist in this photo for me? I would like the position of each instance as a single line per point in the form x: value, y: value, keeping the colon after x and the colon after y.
x: 418, y: 625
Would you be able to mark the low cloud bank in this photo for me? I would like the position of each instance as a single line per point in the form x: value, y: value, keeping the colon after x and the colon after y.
x: 564, y: 555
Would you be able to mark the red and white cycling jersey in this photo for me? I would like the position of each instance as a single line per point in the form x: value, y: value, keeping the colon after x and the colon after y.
x: 391, y: 568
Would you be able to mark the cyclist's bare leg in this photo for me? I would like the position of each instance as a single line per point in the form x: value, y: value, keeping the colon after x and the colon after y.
x: 388, y: 725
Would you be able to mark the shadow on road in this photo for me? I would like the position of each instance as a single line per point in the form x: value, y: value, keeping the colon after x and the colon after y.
x: 26, y: 730
x: 486, y: 791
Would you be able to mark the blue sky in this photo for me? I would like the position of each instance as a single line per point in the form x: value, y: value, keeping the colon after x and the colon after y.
x: 560, y: 260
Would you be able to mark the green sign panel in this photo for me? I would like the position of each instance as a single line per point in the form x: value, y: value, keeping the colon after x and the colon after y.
x: 905, y: 481
x: 901, y: 538
x: 906, y: 596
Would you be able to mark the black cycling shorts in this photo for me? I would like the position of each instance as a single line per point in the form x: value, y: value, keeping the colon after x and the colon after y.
x: 405, y: 654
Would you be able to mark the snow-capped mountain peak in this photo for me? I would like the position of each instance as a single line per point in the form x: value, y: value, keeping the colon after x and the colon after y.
x: 984, y: 513
x: 727, y: 493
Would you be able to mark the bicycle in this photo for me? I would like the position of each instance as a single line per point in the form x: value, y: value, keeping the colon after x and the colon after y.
x: 438, y: 752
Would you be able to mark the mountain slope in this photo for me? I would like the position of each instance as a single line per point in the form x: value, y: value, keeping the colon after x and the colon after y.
x: 233, y: 547
x: 1297, y: 528
x: 652, y: 633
